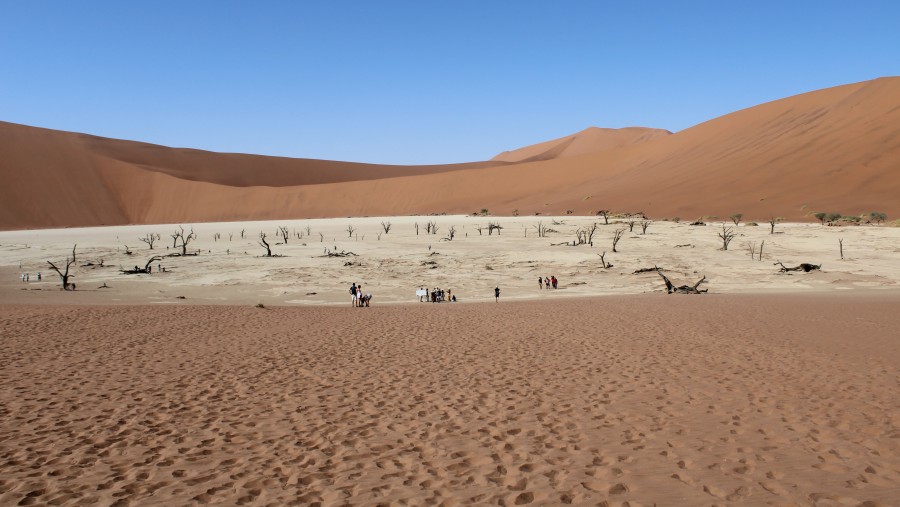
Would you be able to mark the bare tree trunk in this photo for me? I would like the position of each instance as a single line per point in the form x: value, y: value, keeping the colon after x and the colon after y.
x: 265, y: 244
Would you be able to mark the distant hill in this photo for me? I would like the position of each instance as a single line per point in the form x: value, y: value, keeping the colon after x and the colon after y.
x: 836, y: 149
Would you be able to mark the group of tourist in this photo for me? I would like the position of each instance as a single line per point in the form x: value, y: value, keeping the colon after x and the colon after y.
x: 26, y: 277
x: 436, y: 295
x: 357, y: 297
x: 547, y: 282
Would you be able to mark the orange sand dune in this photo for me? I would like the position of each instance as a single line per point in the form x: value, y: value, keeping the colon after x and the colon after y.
x: 830, y: 150
x: 589, y: 140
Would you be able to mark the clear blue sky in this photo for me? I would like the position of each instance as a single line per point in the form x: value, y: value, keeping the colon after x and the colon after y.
x: 419, y: 81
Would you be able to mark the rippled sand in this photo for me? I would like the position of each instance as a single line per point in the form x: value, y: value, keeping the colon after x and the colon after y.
x: 672, y: 400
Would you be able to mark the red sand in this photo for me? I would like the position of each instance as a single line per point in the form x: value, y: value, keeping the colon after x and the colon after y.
x: 667, y: 400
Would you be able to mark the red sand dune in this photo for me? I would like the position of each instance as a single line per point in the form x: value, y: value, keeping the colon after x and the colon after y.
x: 835, y: 149
x: 589, y: 140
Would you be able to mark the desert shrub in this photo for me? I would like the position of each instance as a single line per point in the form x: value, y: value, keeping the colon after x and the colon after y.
x: 877, y: 217
x: 821, y: 216
x: 752, y: 224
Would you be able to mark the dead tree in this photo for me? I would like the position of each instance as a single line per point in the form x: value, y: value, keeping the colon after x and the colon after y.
x: 451, y: 233
x: 585, y: 235
x: 283, y: 232
x: 127, y: 250
x: 617, y: 235
x: 580, y: 234
x: 64, y: 276
x: 736, y: 218
x: 841, y: 243
x: 242, y: 233
x: 307, y: 229
x: 761, y: 245
x: 727, y: 235
x: 805, y: 267
x: 644, y: 225
x: 630, y: 225
x: 185, y: 238
x: 386, y: 226
x: 603, y: 261
x: 772, y: 222
x: 150, y: 238
x: 751, y: 247
x: 350, y: 229
x: 230, y: 236
x: 605, y: 214
x: 682, y: 289
x: 216, y: 236
x: 145, y: 269
x: 589, y: 232
x: 431, y: 227
x: 321, y: 237
x: 265, y: 244
x: 541, y: 230
x: 494, y: 226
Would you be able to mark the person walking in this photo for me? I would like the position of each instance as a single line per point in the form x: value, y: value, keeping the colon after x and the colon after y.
x: 497, y: 294
x: 554, y: 281
x: 540, y: 283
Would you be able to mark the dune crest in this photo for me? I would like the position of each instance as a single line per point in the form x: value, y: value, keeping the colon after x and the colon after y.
x: 588, y: 141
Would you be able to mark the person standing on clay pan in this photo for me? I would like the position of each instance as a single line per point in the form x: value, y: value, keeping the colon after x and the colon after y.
x: 497, y: 294
x: 353, y: 294
x: 540, y: 283
x: 554, y: 281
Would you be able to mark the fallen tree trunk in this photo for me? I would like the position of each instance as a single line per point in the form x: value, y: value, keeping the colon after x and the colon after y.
x: 683, y: 289
x: 646, y: 270
x: 805, y: 267
x: 338, y: 254
x: 146, y: 269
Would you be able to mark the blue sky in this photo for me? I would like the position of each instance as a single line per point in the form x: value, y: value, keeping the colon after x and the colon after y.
x: 419, y: 81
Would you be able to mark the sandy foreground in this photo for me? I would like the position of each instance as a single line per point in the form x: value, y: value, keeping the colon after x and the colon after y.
x: 627, y: 400
x: 230, y: 270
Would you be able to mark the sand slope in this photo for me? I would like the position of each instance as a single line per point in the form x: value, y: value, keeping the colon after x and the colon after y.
x: 831, y: 150
x: 680, y: 401
x: 589, y: 140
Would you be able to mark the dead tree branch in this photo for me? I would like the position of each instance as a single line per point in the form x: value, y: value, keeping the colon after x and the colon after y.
x: 682, y: 289
x: 146, y: 269
x: 805, y: 267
